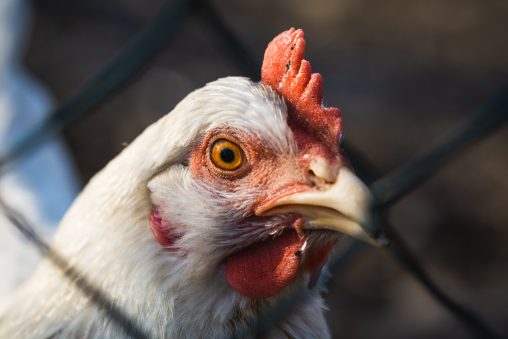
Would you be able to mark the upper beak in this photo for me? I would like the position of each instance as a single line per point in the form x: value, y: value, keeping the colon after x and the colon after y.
x: 344, y: 206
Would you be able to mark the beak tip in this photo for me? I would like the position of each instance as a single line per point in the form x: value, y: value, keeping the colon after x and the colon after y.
x: 345, y: 207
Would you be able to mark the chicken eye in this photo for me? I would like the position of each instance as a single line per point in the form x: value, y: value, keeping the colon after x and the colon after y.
x: 226, y: 155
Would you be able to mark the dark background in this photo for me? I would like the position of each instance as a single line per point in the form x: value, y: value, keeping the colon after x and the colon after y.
x: 403, y: 72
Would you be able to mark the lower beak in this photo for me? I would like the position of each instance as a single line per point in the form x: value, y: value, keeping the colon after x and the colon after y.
x: 345, y: 206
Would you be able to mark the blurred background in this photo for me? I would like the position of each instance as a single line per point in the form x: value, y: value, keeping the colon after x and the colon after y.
x: 403, y: 72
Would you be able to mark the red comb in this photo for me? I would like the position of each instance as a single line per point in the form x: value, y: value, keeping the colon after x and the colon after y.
x: 285, y: 70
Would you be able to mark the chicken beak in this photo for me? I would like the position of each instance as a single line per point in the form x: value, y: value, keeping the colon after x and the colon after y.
x: 345, y: 207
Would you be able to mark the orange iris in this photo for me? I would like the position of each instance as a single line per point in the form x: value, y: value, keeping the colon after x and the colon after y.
x: 226, y: 155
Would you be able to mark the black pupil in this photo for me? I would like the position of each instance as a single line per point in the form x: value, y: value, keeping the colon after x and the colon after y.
x: 227, y: 155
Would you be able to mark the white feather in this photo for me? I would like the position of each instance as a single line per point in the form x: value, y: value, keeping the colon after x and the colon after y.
x: 42, y: 185
x: 106, y: 234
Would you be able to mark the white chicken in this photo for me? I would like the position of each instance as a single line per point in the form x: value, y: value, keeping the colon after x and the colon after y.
x: 211, y: 215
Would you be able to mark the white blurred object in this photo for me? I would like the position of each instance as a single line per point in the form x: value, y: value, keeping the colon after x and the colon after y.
x: 41, y: 186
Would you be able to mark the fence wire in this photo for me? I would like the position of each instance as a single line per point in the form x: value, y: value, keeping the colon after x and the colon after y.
x: 387, y: 190
x: 110, y: 78
x: 129, y: 326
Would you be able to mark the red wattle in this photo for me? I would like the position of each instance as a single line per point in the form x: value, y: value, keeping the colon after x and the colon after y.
x: 315, y: 259
x: 264, y: 269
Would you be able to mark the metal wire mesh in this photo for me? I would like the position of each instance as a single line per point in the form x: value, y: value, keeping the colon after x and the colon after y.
x: 387, y: 189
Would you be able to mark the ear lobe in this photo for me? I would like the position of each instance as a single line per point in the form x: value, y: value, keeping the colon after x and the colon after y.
x: 163, y: 231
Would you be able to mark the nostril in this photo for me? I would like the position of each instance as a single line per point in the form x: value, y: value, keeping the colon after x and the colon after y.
x: 313, y: 179
x: 323, y: 171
